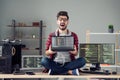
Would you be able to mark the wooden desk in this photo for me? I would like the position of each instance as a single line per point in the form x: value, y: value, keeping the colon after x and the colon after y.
x: 43, y: 75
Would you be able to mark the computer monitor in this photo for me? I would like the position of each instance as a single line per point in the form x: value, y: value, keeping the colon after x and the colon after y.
x: 103, y: 53
x: 62, y: 43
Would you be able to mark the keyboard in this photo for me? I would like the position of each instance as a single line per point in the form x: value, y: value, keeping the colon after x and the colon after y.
x: 96, y: 72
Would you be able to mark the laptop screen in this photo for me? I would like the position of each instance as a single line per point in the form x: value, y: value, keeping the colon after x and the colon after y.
x: 62, y: 43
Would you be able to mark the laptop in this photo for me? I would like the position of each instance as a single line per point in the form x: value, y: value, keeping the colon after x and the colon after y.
x: 62, y: 43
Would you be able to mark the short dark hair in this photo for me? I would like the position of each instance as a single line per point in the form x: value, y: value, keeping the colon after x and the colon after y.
x: 62, y: 13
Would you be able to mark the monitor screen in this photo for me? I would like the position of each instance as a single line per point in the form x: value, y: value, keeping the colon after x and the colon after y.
x: 103, y: 53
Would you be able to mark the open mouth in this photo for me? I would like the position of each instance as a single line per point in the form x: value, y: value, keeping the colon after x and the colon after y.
x: 62, y: 24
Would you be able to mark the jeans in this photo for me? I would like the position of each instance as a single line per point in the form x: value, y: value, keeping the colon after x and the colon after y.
x: 57, y: 69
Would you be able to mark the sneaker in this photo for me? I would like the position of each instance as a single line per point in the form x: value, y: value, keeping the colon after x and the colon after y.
x: 49, y: 72
x: 75, y: 72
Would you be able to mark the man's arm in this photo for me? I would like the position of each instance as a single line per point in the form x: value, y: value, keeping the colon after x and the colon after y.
x: 75, y: 52
x: 48, y: 51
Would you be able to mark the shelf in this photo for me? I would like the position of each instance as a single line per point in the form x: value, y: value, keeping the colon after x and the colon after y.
x: 116, y: 34
x: 31, y: 38
x: 23, y: 26
x: 105, y: 33
x: 25, y: 33
x: 31, y: 35
x: 30, y: 48
x: 117, y: 49
x: 28, y: 38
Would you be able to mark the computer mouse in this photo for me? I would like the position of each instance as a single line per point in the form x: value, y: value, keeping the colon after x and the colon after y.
x: 30, y: 73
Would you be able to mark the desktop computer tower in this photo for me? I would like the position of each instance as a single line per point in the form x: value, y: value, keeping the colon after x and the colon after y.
x: 16, y: 58
x: 5, y: 58
x: 10, y: 56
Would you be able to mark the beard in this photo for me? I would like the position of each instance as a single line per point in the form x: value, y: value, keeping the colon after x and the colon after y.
x: 62, y: 27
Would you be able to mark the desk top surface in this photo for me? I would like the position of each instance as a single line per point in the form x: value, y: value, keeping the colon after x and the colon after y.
x: 44, y: 75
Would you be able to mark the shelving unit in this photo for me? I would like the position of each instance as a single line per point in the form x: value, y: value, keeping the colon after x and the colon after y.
x: 117, y: 47
x: 31, y: 35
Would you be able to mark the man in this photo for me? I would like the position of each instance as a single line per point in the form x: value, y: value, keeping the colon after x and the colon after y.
x: 63, y: 62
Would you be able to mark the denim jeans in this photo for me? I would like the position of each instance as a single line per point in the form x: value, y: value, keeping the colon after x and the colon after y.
x: 57, y: 69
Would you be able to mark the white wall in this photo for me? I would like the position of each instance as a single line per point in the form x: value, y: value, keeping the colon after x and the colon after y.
x: 1, y: 7
x: 94, y: 15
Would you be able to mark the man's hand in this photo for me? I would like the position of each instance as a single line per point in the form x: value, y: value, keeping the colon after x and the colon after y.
x: 49, y: 51
x: 75, y: 52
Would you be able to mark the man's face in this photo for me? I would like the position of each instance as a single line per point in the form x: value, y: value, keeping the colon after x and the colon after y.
x: 62, y: 22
